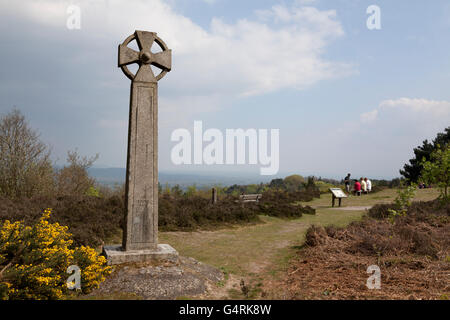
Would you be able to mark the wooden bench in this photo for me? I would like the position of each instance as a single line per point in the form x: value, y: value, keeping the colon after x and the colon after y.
x: 250, y: 197
x: 337, y: 193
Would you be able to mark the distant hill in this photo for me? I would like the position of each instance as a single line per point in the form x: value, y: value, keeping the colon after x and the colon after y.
x: 112, y: 176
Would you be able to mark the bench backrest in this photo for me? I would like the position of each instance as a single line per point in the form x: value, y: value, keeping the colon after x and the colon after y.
x: 250, y: 197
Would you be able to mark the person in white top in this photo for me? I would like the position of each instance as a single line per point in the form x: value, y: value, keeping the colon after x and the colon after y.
x: 363, y: 185
x: 369, y: 185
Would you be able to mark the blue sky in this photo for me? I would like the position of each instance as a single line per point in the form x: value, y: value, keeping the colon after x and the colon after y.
x: 345, y: 98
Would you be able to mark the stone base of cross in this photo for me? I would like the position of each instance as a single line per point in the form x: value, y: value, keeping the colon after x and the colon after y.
x: 140, y: 237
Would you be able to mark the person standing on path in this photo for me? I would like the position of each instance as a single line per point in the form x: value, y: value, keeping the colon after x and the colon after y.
x: 347, y: 182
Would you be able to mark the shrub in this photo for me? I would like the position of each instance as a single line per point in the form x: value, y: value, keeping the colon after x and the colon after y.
x: 315, y: 235
x: 323, y: 186
x: 280, y: 210
x: 280, y: 196
x: 188, y: 213
x: 422, y: 230
x: 91, y: 220
x: 34, y: 260
x: 402, y: 202
x: 380, y: 211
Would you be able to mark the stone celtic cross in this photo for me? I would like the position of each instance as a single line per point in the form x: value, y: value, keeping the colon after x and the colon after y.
x: 141, y: 223
x: 140, y: 236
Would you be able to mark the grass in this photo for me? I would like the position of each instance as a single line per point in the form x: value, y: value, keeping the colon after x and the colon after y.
x: 242, y: 250
x: 263, y: 250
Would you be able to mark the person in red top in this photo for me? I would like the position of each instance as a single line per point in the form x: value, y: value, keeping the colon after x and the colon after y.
x: 357, y: 188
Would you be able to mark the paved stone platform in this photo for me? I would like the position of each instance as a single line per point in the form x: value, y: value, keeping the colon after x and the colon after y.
x: 159, y: 281
x: 163, y: 253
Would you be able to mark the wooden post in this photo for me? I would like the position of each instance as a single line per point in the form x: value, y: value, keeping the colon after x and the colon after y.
x: 214, y: 195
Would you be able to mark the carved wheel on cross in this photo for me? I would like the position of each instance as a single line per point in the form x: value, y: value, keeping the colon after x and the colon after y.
x: 145, y: 58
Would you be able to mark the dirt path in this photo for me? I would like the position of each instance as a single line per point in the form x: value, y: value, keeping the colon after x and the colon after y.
x: 360, y: 208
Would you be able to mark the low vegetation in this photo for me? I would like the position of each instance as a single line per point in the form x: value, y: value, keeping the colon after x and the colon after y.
x: 409, y: 242
x: 96, y: 220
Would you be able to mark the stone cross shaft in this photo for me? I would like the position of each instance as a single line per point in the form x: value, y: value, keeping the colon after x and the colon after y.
x: 141, y: 202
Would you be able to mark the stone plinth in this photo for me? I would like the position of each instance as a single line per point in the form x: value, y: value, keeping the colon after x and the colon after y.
x: 163, y: 253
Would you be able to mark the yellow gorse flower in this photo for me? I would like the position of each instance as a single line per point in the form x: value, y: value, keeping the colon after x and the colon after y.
x: 44, y: 252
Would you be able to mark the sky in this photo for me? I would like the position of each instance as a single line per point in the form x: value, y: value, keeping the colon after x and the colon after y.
x: 343, y: 97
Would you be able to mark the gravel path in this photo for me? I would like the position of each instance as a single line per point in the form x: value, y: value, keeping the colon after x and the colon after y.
x: 353, y: 208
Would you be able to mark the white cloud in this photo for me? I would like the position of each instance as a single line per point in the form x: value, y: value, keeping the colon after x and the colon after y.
x: 369, y: 116
x: 301, y: 2
x: 429, y: 107
x: 281, y: 48
x: 410, y: 113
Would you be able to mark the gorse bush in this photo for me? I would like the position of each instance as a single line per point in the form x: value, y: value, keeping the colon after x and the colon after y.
x: 34, y: 261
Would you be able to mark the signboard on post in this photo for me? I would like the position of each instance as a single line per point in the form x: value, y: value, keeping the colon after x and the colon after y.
x: 337, y: 193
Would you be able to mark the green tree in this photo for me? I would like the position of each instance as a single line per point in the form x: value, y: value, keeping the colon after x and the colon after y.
x: 191, y: 190
x: 166, y: 189
x: 294, y: 182
x: 277, y: 184
x: 310, y: 185
x: 412, y: 170
x: 25, y: 166
x: 436, y: 170
x: 177, y: 191
x: 402, y: 202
